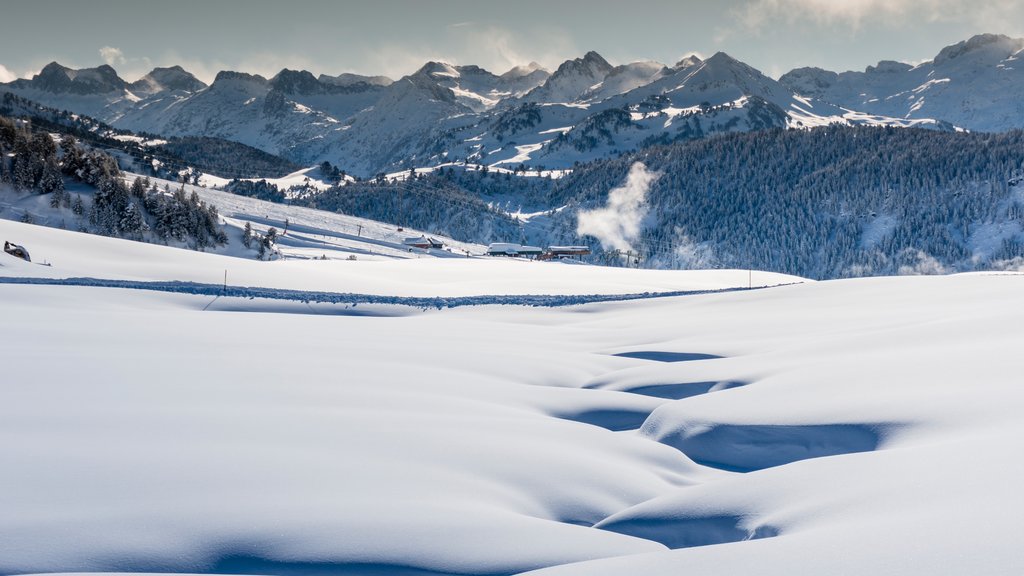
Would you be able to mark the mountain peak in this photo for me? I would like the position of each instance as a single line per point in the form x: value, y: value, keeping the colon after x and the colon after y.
x: 531, y: 73
x: 572, y: 79
x: 590, y: 64
x: 60, y: 79
x: 720, y: 58
x: 437, y: 69
x: 522, y: 70
x: 347, y: 79
x: 809, y: 81
x: 53, y: 71
x: 1000, y: 45
x: 229, y: 76
x: 596, y: 59
x: 296, y: 82
x: 170, y: 78
x: 52, y: 66
x: 888, y: 67
x: 687, y: 62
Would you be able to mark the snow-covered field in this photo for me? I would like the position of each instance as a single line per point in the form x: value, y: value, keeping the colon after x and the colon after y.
x: 865, y: 426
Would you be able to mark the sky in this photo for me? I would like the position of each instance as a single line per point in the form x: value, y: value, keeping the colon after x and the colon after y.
x: 395, y: 37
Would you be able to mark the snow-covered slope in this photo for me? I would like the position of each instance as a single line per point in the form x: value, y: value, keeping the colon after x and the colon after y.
x: 973, y: 84
x: 478, y: 89
x: 640, y: 104
x: 571, y: 80
x: 311, y: 234
x: 847, y: 427
x: 624, y: 78
x: 522, y: 79
x: 76, y: 255
x: 173, y: 79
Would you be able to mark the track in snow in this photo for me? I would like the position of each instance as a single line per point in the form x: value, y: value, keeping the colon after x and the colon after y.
x: 307, y: 296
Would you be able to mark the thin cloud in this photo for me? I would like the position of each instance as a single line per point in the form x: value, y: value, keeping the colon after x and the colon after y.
x: 491, y: 47
x: 756, y: 15
x: 6, y: 75
x: 127, y: 66
x: 112, y: 56
x: 694, y: 53
x: 499, y: 49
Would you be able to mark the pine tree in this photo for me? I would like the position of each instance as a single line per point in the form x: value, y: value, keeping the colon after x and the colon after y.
x: 23, y: 172
x: 51, y: 181
x: 132, y: 223
x: 138, y: 189
x: 247, y: 235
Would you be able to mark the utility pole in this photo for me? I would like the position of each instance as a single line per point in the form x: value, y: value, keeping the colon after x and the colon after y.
x: 360, y: 230
x: 399, y: 208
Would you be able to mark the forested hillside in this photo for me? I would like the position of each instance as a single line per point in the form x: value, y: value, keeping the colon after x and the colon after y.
x: 149, y: 153
x: 825, y: 203
x: 31, y: 162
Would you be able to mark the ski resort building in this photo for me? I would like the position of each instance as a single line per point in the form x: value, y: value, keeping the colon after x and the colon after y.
x: 514, y: 250
x: 423, y: 242
x: 566, y: 252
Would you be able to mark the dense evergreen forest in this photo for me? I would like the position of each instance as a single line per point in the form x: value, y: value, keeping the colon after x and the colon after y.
x: 30, y: 161
x: 830, y: 202
x: 825, y: 203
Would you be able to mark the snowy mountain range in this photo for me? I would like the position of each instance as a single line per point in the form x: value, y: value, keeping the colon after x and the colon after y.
x: 975, y: 84
x: 586, y: 109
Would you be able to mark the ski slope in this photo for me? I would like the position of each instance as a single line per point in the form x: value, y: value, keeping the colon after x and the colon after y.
x: 310, y: 233
x: 862, y: 426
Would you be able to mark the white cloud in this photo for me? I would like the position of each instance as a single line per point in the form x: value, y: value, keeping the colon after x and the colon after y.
x: 499, y: 49
x: 6, y: 75
x: 491, y: 47
x: 112, y: 56
x: 617, y: 225
x: 988, y: 16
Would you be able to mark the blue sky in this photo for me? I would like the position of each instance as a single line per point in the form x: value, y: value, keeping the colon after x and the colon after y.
x: 394, y: 37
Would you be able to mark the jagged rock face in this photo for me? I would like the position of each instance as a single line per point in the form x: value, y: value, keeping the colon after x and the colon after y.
x: 354, y: 79
x: 174, y: 78
x: 297, y: 82
x: 58, y: 79
x: 572, y: 79
x: 687, y: 62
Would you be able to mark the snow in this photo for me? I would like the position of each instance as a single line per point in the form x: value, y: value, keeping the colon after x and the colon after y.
x: 862, y: 426
x: 305, y: 177
x: 455, y: 276
x: 139, y: 139
x: 311, y: 233
x: 522, y: 154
